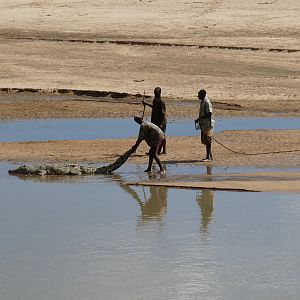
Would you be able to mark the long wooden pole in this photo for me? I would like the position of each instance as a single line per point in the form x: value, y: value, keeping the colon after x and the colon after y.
x: 144, y: 106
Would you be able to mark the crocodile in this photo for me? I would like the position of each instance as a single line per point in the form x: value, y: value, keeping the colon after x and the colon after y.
x: 72, y: 169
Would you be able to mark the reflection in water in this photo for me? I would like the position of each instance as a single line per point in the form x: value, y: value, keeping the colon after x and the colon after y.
x: 153, y: 208
x: 51, y: 232
x: 153, y: 204
x: 205, y: 201
x: 71, y: 241
x: 50, y: 179
x: 208, y: 170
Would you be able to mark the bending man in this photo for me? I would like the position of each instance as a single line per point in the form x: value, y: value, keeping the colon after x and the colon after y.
x: 154, y: 137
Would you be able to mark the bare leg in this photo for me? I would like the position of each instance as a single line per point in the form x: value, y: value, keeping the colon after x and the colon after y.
x: 208, y: 152
x: 150, y: 163
x: 153, y: 155
x: 159, y: 148
x: 162, y: 147
x: 159, y: 163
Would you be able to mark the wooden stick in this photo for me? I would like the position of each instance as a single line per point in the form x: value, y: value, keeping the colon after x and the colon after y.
x: 144, y: 106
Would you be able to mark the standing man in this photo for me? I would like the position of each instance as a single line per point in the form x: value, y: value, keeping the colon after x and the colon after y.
x: 158, y: 115
x: 205, y: 123
x: 154, y: 137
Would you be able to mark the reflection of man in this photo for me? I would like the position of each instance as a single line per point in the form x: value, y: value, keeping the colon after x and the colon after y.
x: 153, y: 208
x: 208, y: 170
x: 206, y: 203
x: 156, y: 206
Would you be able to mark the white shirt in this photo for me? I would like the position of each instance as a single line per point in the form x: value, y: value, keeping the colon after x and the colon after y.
x: 205, y: 108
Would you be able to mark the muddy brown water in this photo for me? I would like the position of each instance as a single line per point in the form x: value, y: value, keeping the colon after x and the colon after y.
x: 95, y: 238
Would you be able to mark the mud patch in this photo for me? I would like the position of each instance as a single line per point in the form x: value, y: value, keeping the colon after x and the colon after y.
x: 161, y: 44
x: 247, y: 182
x: 75, y: 92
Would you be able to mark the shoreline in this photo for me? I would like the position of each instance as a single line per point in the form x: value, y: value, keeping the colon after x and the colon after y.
x: 180, y: 150
x: 98, y: 66
x: 37, y: 104
x: 31, y: 103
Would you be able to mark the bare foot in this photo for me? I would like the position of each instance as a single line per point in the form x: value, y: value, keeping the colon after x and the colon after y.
x: 205, y: 160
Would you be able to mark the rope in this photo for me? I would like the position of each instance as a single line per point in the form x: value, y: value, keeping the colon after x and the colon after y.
x: 257, y: 153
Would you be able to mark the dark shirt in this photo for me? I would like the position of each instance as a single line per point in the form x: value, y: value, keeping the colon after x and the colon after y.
x: 158, y: 115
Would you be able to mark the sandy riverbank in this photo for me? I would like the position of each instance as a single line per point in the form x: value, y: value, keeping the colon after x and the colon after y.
x: 181, y: 150
x: 184, y: 151
x: 245, y: 54
x: 48, y: 104
x: 237, y: 50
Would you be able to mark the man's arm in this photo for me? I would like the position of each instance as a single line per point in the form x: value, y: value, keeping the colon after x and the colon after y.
x: 141, y: 137
x: 163, y: 108
x: 147, y: 104
x: 137, y: 143
x: 208, y: 111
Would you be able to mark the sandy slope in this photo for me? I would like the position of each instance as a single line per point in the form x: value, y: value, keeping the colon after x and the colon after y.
x: 233, y: 22
x: 57, y: 55
x: 228, y: 75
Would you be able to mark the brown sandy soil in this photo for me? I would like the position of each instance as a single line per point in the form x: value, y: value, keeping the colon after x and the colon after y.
x: 46, y: 105
x: 233, y: 76
x: 183, y: 150
x: 251, y: 48
x: 245, y: 22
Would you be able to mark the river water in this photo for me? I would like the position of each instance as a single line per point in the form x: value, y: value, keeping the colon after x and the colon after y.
x: 90, y: 129
x: 96, y: 238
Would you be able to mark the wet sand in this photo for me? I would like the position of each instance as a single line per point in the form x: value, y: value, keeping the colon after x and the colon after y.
x: 231, y: 185
x: 183, y: 151
x: 245, y: 182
